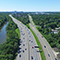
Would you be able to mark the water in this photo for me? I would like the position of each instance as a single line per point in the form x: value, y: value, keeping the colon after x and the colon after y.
x: 3, y: 35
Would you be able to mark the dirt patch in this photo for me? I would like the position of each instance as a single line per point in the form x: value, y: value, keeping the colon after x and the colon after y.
x: 56, y: 49
x: 58, y: 56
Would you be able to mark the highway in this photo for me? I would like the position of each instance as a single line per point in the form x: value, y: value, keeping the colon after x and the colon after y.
x: 49, y: 55
x: 27, y: 40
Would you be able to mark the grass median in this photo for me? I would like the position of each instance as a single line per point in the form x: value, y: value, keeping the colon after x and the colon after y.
x: 38, y: 43
x: 17, y: 31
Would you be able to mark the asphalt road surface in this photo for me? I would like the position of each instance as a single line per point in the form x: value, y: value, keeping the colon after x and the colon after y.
x: 45, y: 45
x: 27, y: 41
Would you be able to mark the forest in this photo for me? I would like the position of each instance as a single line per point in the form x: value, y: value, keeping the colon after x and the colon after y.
x: 3, y: 18
x: 8, y: 50
x: 23, y: 17
x: 47, y: 23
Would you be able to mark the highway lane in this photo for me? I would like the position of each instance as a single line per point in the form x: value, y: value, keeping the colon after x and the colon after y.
x: 48, y: 50
x: 25, y: 33
x: 33, y: 52
x: 24, y: 38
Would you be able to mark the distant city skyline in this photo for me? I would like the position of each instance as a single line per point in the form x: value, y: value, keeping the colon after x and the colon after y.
x: 30, y: 5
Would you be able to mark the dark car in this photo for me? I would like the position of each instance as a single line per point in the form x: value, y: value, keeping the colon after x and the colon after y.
x: 23, y: 44
x: 55, y: 58
x: 19, y: 48
x: 19, y: 52
x: 19, y: 44
x: 23, y: 51
x: 36, y: 46
x: 48, y: 55
x: 44, y: 46
x: 25, y: 48
x: 31, y: 57
x: 19, y: 55
x: 31, y: 41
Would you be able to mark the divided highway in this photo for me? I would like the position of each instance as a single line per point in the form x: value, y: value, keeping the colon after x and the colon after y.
x: 26, y: 51
x: 45, y: 45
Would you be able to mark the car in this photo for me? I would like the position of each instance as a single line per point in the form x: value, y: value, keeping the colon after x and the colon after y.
x: 31, y: 57
x: 19, y: 52
x: 31, y: 41
x: 44, y: 46
x: 19, y: 55
x: 48, y: 55
x: 19, y: 44
x: 32, y: 46
x: 36, y: 46
x: 55, y: 58
x: 23, y: 44
x: 19, y: 48
x: 23, y: 51
x: 25, y: 48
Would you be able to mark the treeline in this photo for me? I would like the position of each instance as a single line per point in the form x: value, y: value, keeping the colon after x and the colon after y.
x: 47, y: 23
x: 3, y: 18
x: 23, y: 17
x: 9, y: 48
x: 52, y: 21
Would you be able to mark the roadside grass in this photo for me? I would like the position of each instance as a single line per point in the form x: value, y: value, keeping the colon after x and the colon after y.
x: 38, y: 43
x: 17, y: 31
x: 31, y: 22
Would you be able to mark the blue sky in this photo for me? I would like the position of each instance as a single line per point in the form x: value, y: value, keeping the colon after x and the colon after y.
x: 30, y: 5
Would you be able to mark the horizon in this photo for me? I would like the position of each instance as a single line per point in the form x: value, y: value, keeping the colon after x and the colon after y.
x: 29, y: 11
x: 30, y: 6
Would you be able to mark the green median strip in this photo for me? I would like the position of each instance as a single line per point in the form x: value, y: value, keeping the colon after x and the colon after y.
x: 17, y: 31
x: 38, y: 43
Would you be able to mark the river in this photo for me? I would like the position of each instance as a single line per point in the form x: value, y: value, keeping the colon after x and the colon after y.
x: 3, y: 35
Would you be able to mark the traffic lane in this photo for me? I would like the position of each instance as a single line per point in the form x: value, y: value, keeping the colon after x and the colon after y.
x: 23, y: 54
x: 27, y: 45
x: 45, y: 50
x: 26, y: 39
x: 50, y: 52
x: 19, y: 24
x: 23, y: 39
x: 48, y: 46
x: 22, y: 48
x: 50, y: 49
x: 34, y: 52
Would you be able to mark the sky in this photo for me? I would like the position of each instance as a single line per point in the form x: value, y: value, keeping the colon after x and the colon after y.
x: 30, y: 5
